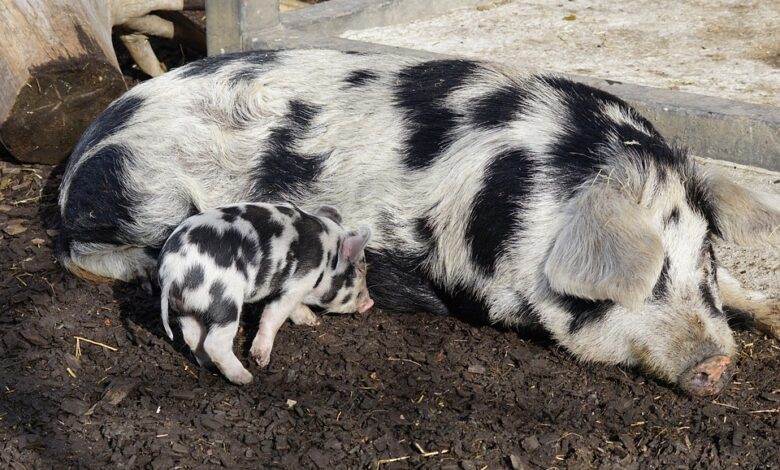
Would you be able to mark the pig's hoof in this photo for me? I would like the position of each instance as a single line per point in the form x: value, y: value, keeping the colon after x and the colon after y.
x: 314, y: 321
x: 263, y: 360
x: 238, y: 376
x: 767, y: 318
x: 261, y: 356
x: 304, y: 316
x: 241, y: 377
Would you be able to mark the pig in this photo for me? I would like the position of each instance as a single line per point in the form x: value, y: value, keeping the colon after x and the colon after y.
x: 216, y: 261
x: 495, y: 194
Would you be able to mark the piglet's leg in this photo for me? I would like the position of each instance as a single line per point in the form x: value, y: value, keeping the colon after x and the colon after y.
x: 763, y: 311
x: 194, y: 334
x: 303, y: 315
x: 219, y: 346
x: 274, y: 315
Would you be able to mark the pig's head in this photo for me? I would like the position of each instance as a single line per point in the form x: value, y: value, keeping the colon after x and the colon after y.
x: 643, y: 256
x: 344, y: 287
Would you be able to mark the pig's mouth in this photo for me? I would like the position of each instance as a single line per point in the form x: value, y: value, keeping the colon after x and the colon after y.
x: 708, y: 377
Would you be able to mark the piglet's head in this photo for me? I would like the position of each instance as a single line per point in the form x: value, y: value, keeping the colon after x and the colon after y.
x: 347, y: 292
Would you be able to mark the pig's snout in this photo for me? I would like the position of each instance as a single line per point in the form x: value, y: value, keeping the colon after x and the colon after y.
x: 707, y: 377
x: 365, y: 304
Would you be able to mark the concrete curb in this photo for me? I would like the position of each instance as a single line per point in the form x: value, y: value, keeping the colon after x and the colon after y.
x: 334, y: 17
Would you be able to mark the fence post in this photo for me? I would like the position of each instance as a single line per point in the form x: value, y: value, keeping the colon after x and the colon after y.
x: 231, y: 24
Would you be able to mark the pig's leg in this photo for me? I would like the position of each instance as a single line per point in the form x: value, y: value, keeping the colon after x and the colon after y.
x: 219, y: 347
x: 274, y: 315
x: 304, y: 316
x: 194, y: 333
x: 764, y: 310
x: 102, y: 261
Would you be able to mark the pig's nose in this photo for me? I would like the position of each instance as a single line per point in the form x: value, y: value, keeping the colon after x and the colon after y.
x: 365, y: 305
x: 707, y: 377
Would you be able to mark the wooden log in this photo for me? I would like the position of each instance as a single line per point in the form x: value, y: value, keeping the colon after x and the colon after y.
x: 142, y: 53
x: 58, y: 69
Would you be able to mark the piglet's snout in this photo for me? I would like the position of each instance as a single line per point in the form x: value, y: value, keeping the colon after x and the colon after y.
x: 365, y: 304
x: 707, y: 377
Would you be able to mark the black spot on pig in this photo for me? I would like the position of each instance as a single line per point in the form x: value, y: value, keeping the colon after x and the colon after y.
x: 499, y: 107
x: 344, y: 280
x: 421, y: 92
x: 674, y: 217
x: 334, y: 259
x: 309, y: 250
x: 210, y: 242
x: 709, y: 299
x: 496, y: 212
x: 580, y: 149
x: 99, y: 202
x: 464, y: 304
x: 175, y: 298
x: 424, y: 229
x: 211, y: 65
x: 583, y: 311
x: 288, y: 211
x: 526, y: 313
x: 281, y: 275
x: 259, y: 217
x: 699, y: 198
x: 661, y: 287
x: 710, y: 280
x: 398, y: 283
x: 284, y: 172
x: 222, y: 309
x: 193, y: 278
x: 267, y: 229
x: 229, y: 214
x: 713, y: 262
x: 358, y: 78
x: 111, y: 120
x: 223, y: 247
x: 152, y: 252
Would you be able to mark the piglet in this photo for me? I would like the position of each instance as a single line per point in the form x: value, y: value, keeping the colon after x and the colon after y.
x: 220, y: 259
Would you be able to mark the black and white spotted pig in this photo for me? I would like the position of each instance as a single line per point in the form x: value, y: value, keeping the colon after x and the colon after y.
x: 517, y: 198
x: 217, y: 260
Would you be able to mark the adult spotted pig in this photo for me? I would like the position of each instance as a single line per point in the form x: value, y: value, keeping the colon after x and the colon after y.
x: 518, y: 198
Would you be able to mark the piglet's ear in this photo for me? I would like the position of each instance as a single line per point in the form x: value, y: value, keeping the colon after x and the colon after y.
x: 608, y: 249
x: 330, y: 212
x: 736, y: 214
x: 353, y: 246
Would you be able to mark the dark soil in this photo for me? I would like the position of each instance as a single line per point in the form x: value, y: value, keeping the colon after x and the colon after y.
x: 427, y: 391
x: 353, y: 391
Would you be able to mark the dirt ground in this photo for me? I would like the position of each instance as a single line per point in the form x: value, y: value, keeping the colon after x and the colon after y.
x: 355, y: 392
x: 722, y: 48
x: 430, y: 390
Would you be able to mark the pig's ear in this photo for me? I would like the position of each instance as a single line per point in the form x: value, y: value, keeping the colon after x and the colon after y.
x: 608, y: 249
x: 352, y: 247
x: 330, y: 212
x: 736, y: 214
